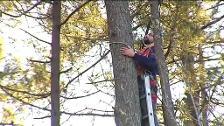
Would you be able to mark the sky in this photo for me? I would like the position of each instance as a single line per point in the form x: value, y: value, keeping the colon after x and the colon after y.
x: 21, y: 51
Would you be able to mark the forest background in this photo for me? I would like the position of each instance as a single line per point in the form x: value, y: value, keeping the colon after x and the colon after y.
x: 193, y: 43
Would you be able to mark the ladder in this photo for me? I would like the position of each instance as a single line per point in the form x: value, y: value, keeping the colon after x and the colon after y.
x: 149, y: 99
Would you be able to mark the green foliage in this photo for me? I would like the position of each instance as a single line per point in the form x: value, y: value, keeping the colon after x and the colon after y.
x: 6, y: 5
x: 8, y: 115
x: 140, y: 14
x: 180, y: 20
x: 83, y: 30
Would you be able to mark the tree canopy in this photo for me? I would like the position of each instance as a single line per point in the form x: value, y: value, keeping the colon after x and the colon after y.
x: 192, y: 40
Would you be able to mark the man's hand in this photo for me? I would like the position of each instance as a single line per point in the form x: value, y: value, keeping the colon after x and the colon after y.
x: 129, y: 52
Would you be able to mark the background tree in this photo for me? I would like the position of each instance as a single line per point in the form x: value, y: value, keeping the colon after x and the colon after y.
x: 168, y: 109
x: 55, y: 64
x: 38, y: 77
x: 189, y: 29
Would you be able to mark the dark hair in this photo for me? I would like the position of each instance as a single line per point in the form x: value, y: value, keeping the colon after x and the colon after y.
x: 146, y: 40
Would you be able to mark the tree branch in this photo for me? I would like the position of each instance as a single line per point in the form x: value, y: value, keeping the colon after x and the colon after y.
x: 88, y: 114
x: 99, y: 81
x: 23, y: 13
x: 63, y: 112
x: 87, y: 69
x: 48, y: 116
x: 217, y: 5
x: 92, y: 109
x: 35, y: 37
x: 65, y: 71
x: 38, y: 61
x: 18, y: 99
x: 25, y: 92
x: 77, y: 9
x: 77, y: 97
x: 212, y: 22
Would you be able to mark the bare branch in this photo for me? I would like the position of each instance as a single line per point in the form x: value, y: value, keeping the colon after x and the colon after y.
x: 48, y: 116
x: 63, y: 112
x: 87, y: 68
x: 216, y: 42
x: 92, y: 109
x: 38, y: 38
x: 212, y: 22
x: 77, y: 9
x: 77, y: 97
x: 89, y: 114
x: 23, y: 13
x: 106, y: 93
x: 65, y: 71
x: 25, y: 92
x: 217, y: 5
x: 196, y: 61
x: 24, y: 102
x: 99, y: 81
x: 38, y: 61
x: 35, y: 37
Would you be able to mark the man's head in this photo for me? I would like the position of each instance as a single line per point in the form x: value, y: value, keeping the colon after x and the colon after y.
x: 148, y: 39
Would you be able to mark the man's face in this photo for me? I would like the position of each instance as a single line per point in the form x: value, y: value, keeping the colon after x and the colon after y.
x: 148, y: 39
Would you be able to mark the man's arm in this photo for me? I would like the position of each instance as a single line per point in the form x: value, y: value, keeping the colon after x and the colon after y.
x: 145, y: 62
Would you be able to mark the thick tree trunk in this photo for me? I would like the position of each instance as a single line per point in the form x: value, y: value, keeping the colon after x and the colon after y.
x: 168, y: 109
x: 55, y: 64
x: 127, y: 107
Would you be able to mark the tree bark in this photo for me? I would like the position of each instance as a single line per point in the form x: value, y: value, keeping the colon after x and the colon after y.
x: 127, y: 107
x: 192, y: 93
x: 204, y: 101
x: 55, y: 64
x: 168, y: 109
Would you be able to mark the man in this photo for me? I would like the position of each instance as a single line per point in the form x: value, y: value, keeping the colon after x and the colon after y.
x: 145, y: 61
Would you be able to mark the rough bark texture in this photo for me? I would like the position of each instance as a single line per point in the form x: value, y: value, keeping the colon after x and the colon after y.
x: 55, y: 64
x: 204, y: 103
x: 192, y: 100
x: 127, y: 107
x: 168, y: 109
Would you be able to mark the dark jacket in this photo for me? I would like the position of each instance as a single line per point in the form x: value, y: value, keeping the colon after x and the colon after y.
x: 147, y: 61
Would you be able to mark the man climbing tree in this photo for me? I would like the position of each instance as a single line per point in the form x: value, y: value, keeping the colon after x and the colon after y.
x: 146, y: 64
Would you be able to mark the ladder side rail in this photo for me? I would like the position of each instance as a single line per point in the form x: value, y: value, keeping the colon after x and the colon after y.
x: 149, y: 100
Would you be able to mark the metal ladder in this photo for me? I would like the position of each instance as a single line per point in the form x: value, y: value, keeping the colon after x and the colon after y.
x: 149, y: 100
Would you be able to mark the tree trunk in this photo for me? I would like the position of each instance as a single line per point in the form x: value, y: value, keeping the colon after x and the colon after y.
x: 204, y: 101
x: 192, y: 93
x: 55, y: 64
x: 168, y: 109
x: 127, y: 107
